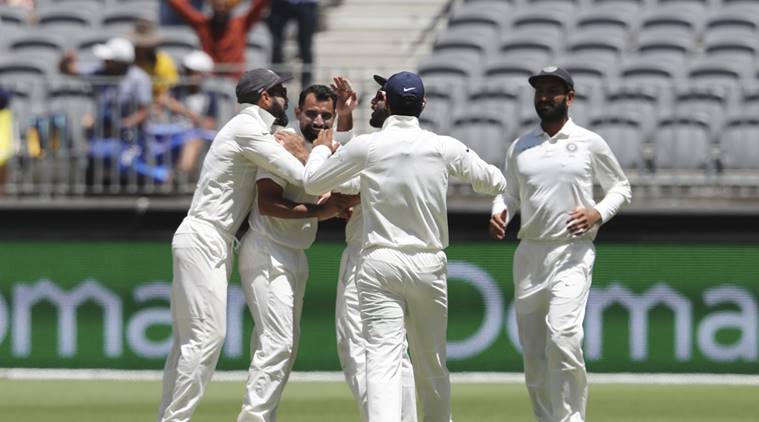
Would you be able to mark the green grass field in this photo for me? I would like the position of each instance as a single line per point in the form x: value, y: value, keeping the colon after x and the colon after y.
x: 122, y: 401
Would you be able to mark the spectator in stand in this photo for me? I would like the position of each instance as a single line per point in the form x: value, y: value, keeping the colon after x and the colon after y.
x: 157, y: 64
x: 167, y: 16
x: 221, y: 35
x: 196, y: 108
x: 6, y: 134
x: 305, y: 12
x: 123, y: 100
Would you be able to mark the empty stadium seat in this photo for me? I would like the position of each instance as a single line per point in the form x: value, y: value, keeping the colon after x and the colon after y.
x: 485, y: 133
x: 494, y: 97
x: 471, y: 48
x: 636, y: 71
x: 484, y: 18
x: 25, y: 75
x: 675, y: 21
x: 739, y: 143
x: 698, y: 99
x: 75, y: 98
x: 750, y: 100
x: 736, y: 22
x: 511, y: 73
x: 66, y: 17
x: 550, y: 22
x: 11, y: 16
x: 709, y: 72
x: 624, y: 135
x: 258, y: 47
x: 639, y: 102
x: 527, y: 47
x: 177, y: 41
x: 731, y: 47
x: 683, y: 142
x: 121, y: 17
x: 663, y: 46
x: 36, y: 44
x: 440, y: 105
x: 630, y: 7
x: 608, y: 19
x: 597, y: 46
x: 445, y: 71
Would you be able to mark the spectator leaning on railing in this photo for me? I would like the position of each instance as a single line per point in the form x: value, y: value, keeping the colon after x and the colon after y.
x: 123, y: 100
x: 156, y: 63
x: 221, y: 35
x: 194, y: 108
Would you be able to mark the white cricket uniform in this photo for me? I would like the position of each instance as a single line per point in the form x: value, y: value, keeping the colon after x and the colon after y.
x: 274, y: 271
x: 351, y: 343
x: 401, y: 280
x: 547, y: 177
x: 202, y: 251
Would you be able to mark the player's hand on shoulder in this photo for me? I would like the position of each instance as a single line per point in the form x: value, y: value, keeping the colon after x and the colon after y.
x: 582, y: 219
x: 497, y: 227
x: 293, y: 143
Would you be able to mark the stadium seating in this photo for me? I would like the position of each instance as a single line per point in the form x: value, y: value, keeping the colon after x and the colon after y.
x: 646, y: 71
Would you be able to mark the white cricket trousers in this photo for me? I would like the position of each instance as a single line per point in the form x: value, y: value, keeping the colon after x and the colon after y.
x: 405, y: 295
x: 202, y: 261
x: 274, y: 281
x: 551, y: 285
x: 351, y: 344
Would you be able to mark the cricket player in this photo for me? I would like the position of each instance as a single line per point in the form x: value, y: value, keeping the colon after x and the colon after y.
x: 202, y: 246
x: 274, y: 268
x: 351, y: 343
x: 401, y: 278
x: 550, y: 173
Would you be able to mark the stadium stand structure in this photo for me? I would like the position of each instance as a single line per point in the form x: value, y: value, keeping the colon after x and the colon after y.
x: 668, y: 83
x: 671, y: 84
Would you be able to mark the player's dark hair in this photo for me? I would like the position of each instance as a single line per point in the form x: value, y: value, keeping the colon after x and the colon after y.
x: 321, y: 92
x: 407, y: 106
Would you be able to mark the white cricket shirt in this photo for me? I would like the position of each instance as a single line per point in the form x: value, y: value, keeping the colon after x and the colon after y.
x: 227, y: 185
x: 404, y: 173
x: 547, y: 177
x: 297, y: 233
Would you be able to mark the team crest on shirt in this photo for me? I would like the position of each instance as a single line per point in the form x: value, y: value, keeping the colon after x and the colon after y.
x: 571, y: 147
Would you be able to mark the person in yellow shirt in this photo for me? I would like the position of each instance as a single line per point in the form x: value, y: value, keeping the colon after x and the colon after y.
x: 157, y: 64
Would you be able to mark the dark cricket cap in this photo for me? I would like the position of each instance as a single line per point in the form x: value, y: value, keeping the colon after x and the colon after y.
x: 254, y: 82
x: 404, y: 87
x: 380, y: 80
x: 553, y: 72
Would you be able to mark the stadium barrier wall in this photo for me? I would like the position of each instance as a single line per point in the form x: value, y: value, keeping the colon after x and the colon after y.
x: 655, y: 307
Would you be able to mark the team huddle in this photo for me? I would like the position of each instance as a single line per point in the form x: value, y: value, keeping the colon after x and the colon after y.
x: 392, y: 302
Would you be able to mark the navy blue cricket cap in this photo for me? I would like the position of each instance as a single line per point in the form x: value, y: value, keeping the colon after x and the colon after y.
x: 553, y: 72
x: 254, y: 82
x: 381, y: 80
x: 404, y: 88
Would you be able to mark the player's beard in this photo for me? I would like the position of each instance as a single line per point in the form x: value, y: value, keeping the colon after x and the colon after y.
x: 552, y: 113
x: 379, y: 115
x: 278, y: 111
x: 311, y: 132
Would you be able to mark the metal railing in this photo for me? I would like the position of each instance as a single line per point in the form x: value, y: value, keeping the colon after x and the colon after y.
x: 55, y: 157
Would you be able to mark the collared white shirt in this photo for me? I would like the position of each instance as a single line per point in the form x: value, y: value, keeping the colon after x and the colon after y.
x: 404, y: 173
x: 547, y: 177
x: 227, y: 185
x: 297, y: 233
